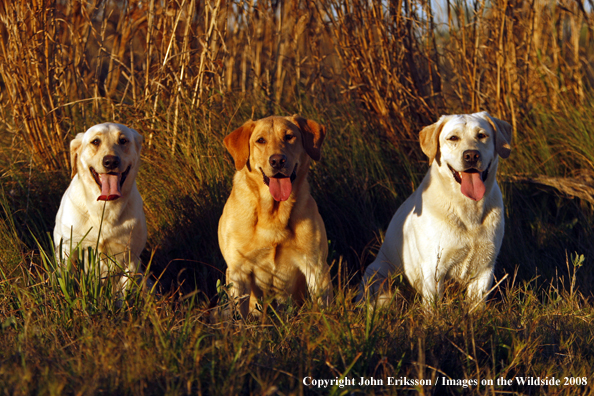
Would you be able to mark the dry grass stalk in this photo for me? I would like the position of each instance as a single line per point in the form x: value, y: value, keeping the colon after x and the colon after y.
x: 393, y: 58
x: 383, y: 60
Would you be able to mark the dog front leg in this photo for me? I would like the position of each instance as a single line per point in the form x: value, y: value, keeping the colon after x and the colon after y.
x: 238, y: 285
x: 431, y: 289
x: 131, y: 274
x: 319, y: 284
x: 478, y: 288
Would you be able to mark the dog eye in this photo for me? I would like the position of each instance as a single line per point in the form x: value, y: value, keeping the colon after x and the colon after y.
x: 481, y: 136
x: 453, y: 138
x: 261, y: 141
x: 96, y: 142
x: 288, y: 137
x: 123, y: 141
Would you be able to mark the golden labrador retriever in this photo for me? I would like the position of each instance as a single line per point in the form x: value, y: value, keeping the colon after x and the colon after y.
x: 452, y: 225
x: 102, y: 195
x: 270, y: 233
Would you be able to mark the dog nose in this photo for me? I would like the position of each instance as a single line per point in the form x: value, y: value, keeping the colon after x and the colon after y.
x: 111, y: 162
x: 471, y: 156
x: 277, y: 161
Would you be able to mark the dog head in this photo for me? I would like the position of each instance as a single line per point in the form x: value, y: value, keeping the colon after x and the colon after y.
x: 466, y: 149
x: 107, y: 156
x: 278, y: 148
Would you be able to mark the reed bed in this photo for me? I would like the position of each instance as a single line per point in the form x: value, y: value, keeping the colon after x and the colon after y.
x: 403, y: 62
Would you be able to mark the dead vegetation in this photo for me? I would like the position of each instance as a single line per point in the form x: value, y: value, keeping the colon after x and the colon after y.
x: 403, y: 62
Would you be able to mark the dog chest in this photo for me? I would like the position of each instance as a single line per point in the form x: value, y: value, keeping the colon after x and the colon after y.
x: 465, y: 259
x: 274, y: 269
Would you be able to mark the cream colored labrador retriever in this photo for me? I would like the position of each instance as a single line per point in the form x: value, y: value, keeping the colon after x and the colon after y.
x: 105, y: 161
x: 451, y: 227
x: 271, y: 234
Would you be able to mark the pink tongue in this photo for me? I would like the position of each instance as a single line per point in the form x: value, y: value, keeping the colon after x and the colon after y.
x: 110, y: 187
x: 280, y: 188
x: 472, y: 185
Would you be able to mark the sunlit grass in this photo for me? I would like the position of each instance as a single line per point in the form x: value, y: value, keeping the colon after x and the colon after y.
x: 59, y: 340
x: 66, y: 328
x: 67, y: 331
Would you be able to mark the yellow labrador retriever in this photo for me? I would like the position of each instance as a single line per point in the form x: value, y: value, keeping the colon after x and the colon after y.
x: 270, y: 233
x: 105, y: 161
x: 451, y: 227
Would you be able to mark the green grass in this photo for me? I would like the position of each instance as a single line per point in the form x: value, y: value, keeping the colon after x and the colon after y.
x: 54, y: 345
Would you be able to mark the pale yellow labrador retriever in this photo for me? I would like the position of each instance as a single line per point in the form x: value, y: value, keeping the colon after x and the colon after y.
x: 451, y: 227
x: 105, y: 161
x: 270, y: 233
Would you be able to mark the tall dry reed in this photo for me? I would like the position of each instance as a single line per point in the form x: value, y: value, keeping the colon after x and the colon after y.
x: 404, y: 62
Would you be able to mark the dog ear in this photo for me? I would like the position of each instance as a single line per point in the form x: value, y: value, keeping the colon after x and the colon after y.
x: 138, y: 139
x: 313, y: 136
x: 429, y: 139
x: 503, y: 135
x: 238, y: 144
x: 75, y: 146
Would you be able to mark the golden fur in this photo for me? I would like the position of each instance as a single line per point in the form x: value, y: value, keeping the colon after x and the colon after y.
x: 271, y: 235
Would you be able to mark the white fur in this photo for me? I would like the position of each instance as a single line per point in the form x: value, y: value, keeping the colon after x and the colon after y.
x: 123, y: 231
x: 439, y: 233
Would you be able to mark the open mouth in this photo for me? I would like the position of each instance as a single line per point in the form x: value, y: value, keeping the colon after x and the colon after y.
x: 484, y: 174
x: 279, y: 185
x: 471, y: 182
x: 110, y: 183
x: 279, y: 176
